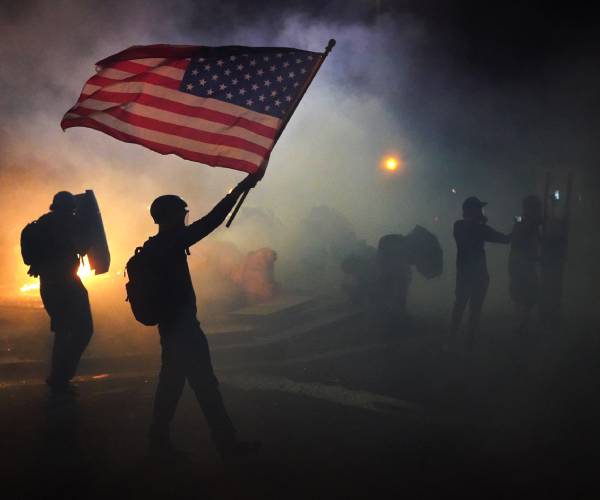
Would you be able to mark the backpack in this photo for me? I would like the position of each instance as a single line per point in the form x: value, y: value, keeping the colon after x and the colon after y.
x: 143, y: 287
x: 33, y: 246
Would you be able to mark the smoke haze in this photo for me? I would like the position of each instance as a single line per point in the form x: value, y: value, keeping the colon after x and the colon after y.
x: 394, y: 84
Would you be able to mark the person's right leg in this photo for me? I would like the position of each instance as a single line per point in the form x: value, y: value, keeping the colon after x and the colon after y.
x: 58, y: 377
x: 462, y: 294
x: 199, y: 372
x: 200, y: 375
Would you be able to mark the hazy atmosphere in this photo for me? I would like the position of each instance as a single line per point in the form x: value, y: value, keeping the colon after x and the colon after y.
x: 458, y: 113
x: 495, y: 100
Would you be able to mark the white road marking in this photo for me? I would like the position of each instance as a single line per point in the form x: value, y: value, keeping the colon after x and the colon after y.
x: 332, y: 393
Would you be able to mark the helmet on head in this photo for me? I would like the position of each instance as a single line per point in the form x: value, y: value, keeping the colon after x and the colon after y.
x: 63, y: 201
x: 165, y: 206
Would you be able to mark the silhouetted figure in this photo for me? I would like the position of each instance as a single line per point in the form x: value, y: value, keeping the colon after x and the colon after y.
x: 57, y: 245
x: 185, y: 353
x: 394, y: 276
x: 523, y: 261
x: 380, y: 278
x: 553, y: 258
x: 358, y: 278
x: 396, y: 255
x: 472, y: 278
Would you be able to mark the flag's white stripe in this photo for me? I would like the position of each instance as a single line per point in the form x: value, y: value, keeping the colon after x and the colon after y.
x: 149, y: 61
x: 89, y: 88
x: 177, y: 119
x: 115, y: 74
x: 170, y: 71
x: 118, y: 74
x: 174, y: 140
x: 188, y: 99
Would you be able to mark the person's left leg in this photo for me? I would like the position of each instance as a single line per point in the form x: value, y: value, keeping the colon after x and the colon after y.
x: 78, y: 341
x: 79, y: 320
x: 462, y: 295
x: 480, y: 287
x: 170, y: 386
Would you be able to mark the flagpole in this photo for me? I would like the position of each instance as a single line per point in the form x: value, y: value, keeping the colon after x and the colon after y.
x: 286, y: 119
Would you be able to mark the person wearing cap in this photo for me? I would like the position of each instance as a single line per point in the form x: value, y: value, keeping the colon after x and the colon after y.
x: 523, y: 261
x: 472, y: 278
x: 62, y: 292
x: 185, y: 354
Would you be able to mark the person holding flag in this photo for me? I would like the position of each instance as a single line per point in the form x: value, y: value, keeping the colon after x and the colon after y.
x: 221, y: 106
x: 185, y: 353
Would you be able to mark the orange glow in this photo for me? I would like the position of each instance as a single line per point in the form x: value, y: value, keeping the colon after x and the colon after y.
x: 392, y: 163
x: 29, y: 287
x: 85, y: 271
x: 100, y: 376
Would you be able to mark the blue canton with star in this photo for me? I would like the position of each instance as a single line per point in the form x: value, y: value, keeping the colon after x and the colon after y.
x: 264, y: 82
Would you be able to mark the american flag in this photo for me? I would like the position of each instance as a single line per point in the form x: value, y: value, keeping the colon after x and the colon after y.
x: 222, y: 106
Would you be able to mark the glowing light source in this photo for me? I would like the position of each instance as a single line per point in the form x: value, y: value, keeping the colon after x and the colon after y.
x: 391, y: 164
x: 85, y: 271
x: 29, y: 287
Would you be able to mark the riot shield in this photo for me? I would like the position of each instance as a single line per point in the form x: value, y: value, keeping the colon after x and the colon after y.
x: 90, y: 222
x: 426, y: 251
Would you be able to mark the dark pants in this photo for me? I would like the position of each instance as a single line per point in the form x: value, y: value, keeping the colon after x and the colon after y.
x: 68, y: 306
x: 471, y: 289
x: 185, y: 355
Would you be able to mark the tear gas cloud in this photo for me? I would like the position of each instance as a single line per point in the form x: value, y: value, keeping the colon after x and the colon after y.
x: 389, y: 87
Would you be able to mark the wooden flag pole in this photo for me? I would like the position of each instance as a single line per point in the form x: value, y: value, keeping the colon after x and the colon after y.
x: 286, y: 119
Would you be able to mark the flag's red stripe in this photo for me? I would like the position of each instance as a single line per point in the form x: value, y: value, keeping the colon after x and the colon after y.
x: 177, y: 63
x: 163, y: 81
x: 152, y: 51
x: 183, y: 131
x: 213, y: 160
x: 129, y: 67
x: 182, y: 109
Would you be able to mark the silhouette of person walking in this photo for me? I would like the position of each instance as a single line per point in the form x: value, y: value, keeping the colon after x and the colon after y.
x: 472, y: 278
x: 185, y: 352
x: 394, y: 276
x: 59, y: 244
x: 523, y: 261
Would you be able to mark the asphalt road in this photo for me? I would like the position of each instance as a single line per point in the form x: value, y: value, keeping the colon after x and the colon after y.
x: 349, y: 410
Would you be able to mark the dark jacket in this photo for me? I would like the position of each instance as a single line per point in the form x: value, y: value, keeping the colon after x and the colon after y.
x: 170, y: 248
x: 470, y: 239
x: 63, y: 245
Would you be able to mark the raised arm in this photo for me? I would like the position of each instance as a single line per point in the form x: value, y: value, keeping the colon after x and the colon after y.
x: 213, y: 219
x: 494, y: 236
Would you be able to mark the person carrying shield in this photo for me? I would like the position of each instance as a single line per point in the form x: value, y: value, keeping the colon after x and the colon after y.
x: 53, y: 245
